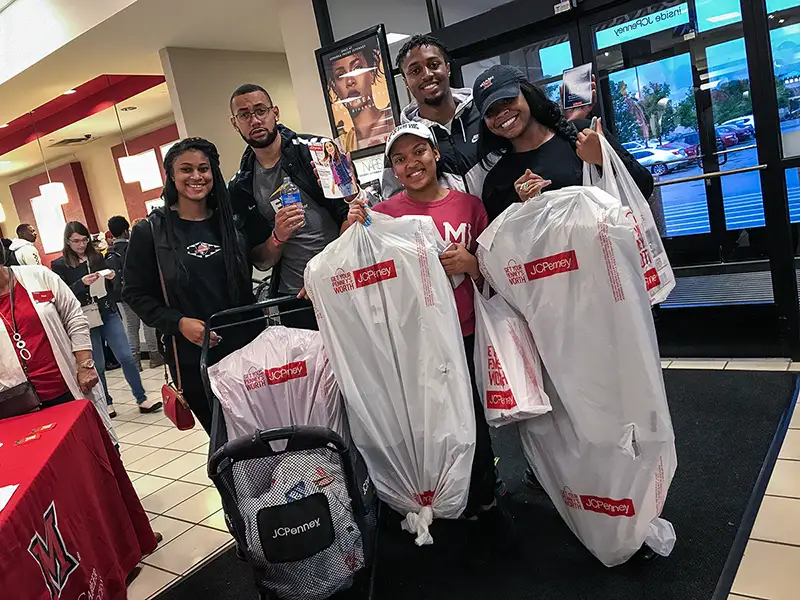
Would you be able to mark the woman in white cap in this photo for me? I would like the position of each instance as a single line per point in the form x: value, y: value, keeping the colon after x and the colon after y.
x: 412, y: 154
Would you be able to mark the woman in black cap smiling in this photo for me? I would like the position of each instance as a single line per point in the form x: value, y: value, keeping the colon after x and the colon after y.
x: 541, y: 149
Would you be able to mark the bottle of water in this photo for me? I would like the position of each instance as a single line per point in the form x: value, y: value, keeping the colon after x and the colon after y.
x: 290, y: 193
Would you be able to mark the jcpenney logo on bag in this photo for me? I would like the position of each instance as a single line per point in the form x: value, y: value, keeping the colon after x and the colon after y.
x: 562, y: 262
x: 606, y: 506
x: 344, y: 281
x: 294, y: 370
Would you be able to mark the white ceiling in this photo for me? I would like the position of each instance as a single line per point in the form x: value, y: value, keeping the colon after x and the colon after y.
x: 129, y: 41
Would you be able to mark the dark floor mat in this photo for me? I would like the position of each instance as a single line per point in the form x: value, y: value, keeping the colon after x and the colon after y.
x: 724, y: 425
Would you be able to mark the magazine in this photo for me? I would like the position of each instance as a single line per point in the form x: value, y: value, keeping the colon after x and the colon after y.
x: 335, y: 169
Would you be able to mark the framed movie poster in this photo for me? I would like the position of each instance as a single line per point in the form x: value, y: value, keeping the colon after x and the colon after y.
x: 360, y: 95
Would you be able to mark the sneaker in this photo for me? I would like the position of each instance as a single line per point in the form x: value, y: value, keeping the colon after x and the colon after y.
x: 531, y: 481
x: 156, y: 360
x: 149, y: 406
x: 111, y: 411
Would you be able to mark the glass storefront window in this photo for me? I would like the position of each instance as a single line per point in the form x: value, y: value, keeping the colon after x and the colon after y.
x: 402, y: 19
x: 784, y: 23
x: 717, y: 13
x: 543, y: 63
x: 793, y: 187
x: 454, y: 11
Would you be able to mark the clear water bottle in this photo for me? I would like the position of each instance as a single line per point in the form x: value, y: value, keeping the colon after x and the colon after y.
x: 290, y: 193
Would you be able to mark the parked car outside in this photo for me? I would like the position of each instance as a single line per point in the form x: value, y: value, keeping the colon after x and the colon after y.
x: 741, y: 132
x: 728, y: 136
x: 660, y: 162
x: 688, y: 149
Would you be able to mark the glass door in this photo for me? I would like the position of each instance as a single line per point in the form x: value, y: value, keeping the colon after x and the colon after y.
x: 676, y: 91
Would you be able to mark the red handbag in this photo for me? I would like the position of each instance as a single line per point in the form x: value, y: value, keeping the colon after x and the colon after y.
x: 175, y: 406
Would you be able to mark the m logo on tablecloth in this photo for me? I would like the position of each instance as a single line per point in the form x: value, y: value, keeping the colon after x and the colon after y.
x: 56, y: 563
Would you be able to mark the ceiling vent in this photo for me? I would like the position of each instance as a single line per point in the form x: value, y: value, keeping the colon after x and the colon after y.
x: 76, y: 141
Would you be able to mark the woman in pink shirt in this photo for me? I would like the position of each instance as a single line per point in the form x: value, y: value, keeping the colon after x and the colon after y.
x: 460, y: 218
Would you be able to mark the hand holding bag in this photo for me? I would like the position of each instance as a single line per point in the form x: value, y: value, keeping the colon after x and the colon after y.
x: 92, y: 310
x: 175, y: 406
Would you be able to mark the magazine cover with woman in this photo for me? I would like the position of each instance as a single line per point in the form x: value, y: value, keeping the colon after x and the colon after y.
x: 335, y: 169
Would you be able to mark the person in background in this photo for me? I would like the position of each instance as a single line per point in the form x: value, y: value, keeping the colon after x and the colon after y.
x: 450, y: 113
x: 283, y: 238
x: 194, y: 242
x: 540, y: 148
x: 351, y: 82
x: 342, y: 169
x: 80, y: 267
x: 54, y: 352
x: 460, y: 218
x: 25, y: 253
x: 120, y: 229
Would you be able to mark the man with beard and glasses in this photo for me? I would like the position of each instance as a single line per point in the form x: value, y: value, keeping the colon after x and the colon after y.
x: 283, y: 238
x: 449, y: 113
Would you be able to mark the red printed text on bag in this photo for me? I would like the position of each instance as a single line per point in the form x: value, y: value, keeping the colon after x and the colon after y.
x: 425, y: 498
x: 562, y: 262
x: 342, y: 282
x: 294, y: 370
x: 375, y: 273
x: 606, y: 506
x: 500, y: 399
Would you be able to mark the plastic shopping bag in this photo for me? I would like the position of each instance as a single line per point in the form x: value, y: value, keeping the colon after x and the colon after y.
x: 618, y: 182
x: 606, y: 453
x: 508, y: 370
x: 281, y: 378
x: 388, y: 317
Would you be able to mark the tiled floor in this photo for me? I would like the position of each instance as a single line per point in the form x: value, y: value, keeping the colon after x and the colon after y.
x: 167, y: 468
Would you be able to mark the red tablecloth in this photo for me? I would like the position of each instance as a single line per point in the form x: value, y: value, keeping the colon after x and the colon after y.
x: 74, y: 529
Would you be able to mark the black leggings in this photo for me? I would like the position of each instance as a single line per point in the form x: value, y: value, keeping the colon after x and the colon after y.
x: 482, y: 482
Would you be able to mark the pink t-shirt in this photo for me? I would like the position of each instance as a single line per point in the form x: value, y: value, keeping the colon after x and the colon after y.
x: 460, y: 218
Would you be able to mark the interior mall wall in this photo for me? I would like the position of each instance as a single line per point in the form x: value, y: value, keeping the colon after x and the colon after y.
x: 98, y: 168
x: 200, y: 84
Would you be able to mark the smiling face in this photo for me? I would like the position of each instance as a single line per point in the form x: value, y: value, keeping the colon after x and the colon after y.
x: 508, y: 118
x: 352, y: 81
x: 427, y: 75
x: 192, y: 174
x: 414, y: 162
x: 255, y: 118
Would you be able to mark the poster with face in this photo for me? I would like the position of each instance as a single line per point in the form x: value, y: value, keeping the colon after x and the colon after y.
x: 360, y: 97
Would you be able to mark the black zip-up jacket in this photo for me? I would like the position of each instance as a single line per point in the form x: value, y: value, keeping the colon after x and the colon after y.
x: 73, y: 277
x: 115, y: 259
x: 142, y: 289
x: 296, y: 163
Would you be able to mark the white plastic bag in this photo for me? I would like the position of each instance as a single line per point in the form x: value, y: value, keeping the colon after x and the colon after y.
x: 281, y: 378
x: 508, y: 370
x: 388, y: 317
x: 618, y: 182
x: 606, y: 453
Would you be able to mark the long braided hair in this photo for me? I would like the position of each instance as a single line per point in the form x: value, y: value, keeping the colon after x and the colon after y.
x: 544, y: 110
x: 218, y: 201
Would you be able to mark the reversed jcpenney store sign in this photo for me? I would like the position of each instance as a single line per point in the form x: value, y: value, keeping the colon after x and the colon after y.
x: 643, y: 26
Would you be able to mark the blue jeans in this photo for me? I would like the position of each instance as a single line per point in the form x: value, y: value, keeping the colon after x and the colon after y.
x: 113, y: 331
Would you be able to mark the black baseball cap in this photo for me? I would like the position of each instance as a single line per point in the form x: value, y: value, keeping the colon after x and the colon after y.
x: 499, y: 82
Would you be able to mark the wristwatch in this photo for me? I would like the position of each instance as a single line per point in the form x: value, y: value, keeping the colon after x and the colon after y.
x: 86, y: 364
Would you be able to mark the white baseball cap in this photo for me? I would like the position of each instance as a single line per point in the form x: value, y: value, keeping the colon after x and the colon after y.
x: 411, y: 128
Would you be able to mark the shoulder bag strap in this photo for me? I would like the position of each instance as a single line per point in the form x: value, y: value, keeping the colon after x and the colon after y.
x: 166, y: 301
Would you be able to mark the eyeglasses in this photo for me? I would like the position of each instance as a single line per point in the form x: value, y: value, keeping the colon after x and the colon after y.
x: 80, y: 241
x: 260, y: 112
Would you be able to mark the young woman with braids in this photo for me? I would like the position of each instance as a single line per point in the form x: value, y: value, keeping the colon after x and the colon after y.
x: 541, y: 149
x: 202, y: 256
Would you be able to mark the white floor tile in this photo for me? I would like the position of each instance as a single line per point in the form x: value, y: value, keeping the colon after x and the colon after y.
x: 149, y: 418
x: 758, y: 365
x: 181, y: 466
x: 148, y: 582
x: 124, y: 429
x: 154, y: 461
x: 795, y: 423
x: 705, y: 365
x: 217, y: 521
x: 141, y: 435
x: 794, y: 367
x: 791, y: 445
x: 778, y: 521
x: 170, y: 495
x: 198, y: 507
x: 147, y: 484
x: 665, y: 364
x: 169, y: 528
x: 196, y: 439
x: 188, y: 549
x: 785, y: 479
x: 169, y: 436
x: 199, y: 476
x: 152, y: 386
x: 768, y: 571
x: 134, y: 453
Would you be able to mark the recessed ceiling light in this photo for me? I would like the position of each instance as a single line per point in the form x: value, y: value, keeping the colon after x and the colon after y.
x: 128, y: 108
x: 5, y: 162
x: 3, y: 125
x: 781, y: 20
x: 68, y: 92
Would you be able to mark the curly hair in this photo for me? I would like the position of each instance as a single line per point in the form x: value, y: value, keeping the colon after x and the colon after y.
x: 218, y: 200
x: 418, y: 41
x: 544, y: 110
